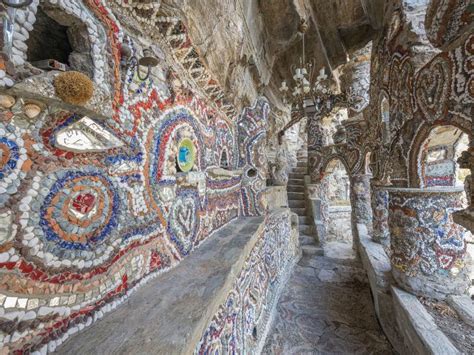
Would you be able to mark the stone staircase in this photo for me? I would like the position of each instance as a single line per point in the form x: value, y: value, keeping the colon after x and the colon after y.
x: 297, y: 204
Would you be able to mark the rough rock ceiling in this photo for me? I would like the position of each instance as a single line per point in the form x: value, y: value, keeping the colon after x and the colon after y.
x: 249, y: 45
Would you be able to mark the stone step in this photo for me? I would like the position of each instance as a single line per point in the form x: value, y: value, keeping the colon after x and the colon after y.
x: 295, y: 188
x: 296, y: 179
x: 300, y: 170
x: 300, y: 211
x: 303, y: 219
x: 296, y: 176
x: 312, y: 250
x: 296, y: 203
x: 295, y: 182
x: 302, y: 163
x: 296, y: 195
x: 307, y: 240
x: 305, y: 228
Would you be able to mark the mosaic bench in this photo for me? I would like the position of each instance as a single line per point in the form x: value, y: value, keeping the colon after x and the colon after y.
x: 220, y: 298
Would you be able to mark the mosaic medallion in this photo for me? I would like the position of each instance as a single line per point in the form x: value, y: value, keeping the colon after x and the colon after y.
x: 186, y: 154
x: 80, y: 210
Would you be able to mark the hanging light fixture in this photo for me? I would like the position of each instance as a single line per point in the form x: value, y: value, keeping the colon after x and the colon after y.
x: 148, y: 60
x: 308, y: 89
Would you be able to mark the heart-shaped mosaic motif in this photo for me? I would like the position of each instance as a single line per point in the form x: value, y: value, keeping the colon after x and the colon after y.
x: 432, y: 88
x: 183, y: 221
x: 184, y: 216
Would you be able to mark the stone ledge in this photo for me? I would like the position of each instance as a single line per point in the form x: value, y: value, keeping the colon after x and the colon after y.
x: 171, y: 312
x: 464, y: 307
x: 419, y: 330
x: 375, y: 260
x: 378, y: 268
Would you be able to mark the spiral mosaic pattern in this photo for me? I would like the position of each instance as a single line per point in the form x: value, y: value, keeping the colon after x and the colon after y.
x: 80, y: 210
x: 9, y: 156
x: 12, y: 158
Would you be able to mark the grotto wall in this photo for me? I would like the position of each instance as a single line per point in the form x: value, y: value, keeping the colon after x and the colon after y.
x: 96, y: 197
x: 420, y: 82
x: 421, y: 89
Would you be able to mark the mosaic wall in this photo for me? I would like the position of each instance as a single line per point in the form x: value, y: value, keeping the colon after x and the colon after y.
x: 252, y: 127
x: 240, y: 325
x: 421, y: 77
x: 428, y: 248
x: 422, y: 90
x: 91, y: 208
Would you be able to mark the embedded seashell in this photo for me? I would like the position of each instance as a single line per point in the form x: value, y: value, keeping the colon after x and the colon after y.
x: 31, y: 110
x: 7, y: 101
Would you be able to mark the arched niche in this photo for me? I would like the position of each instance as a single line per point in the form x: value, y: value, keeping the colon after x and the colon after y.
x: 60, y: 37
x: 336, y: 195
x: 337, y: 173
x: 224, y: 161
x: 422, y: 135
x: 437, y: 159
x: 66, y: 31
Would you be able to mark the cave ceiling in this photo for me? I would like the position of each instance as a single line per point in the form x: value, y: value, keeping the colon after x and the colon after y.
x: 250, y: 45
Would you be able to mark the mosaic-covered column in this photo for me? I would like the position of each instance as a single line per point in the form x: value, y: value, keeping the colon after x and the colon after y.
x: 315, y: 136
x: 466, y: 161
x: 318, y: 203
x: 428, y: 249
x: 379, y: 202
x: 360, y: 201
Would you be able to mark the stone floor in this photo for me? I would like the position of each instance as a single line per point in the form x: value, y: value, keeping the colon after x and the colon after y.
x: 326, y: 308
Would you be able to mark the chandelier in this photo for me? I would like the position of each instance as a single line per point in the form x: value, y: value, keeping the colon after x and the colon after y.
x: 308, y: 89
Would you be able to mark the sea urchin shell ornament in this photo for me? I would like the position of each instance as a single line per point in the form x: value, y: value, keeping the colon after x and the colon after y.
x: 73, y: 87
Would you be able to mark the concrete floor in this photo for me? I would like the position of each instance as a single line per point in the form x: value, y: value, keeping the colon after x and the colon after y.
x: 326, y: 308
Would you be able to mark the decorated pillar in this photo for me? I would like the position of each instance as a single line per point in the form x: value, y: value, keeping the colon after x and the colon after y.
x: 319, y: 206
x: 379, y: 203
x: 466, y: 161
x: 315, y: 143
x: 360, y: 201
x: 356, y: 79
x: 428, y: 248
